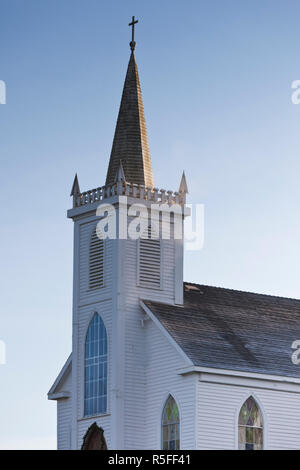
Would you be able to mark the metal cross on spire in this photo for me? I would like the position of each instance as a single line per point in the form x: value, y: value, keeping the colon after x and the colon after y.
x: 132, y: 43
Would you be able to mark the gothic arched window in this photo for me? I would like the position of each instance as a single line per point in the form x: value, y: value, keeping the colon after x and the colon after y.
x: 95, y: 368
x: 149, y: 259
x: 170, y: 426
x: 250, y: 426
x: 96, y: 266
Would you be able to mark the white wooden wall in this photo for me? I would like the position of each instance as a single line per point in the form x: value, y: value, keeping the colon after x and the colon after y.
x: 89, y: 302
x: 64, y: 416
x: 144, y: 366
x: 162, y: 378
x: 85, y: 315
x: 83, y: 424
x: 118, y: 305
x: 136, y: 355
x: 219, y: 405
x: 135, y: 350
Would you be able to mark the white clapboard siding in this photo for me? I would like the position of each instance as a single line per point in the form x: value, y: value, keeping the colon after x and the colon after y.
x: 218, y: 408
x: 91, y: 300
x: 147, y: 363
x: 64, y: 415
x: 135, y: 378
x: 120, y: 288
x: 64, y: 412
x: 162, y: 361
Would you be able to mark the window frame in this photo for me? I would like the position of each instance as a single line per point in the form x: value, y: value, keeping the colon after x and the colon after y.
x: 106, y: 412
x: 162, y: 409
x: 264, y: 420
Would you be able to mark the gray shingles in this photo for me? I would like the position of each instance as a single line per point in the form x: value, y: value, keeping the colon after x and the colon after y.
x: 130, y: 144
x: 228, y: 329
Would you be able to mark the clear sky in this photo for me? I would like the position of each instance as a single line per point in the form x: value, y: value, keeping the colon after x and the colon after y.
x: 216, y: 79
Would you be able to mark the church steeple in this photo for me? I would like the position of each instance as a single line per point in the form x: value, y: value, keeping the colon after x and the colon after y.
x: 130, y: 144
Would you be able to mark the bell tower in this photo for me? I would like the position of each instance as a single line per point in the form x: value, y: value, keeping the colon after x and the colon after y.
x: 122, y: 255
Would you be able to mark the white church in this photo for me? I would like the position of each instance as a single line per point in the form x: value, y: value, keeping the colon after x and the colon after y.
x: 156, y: 362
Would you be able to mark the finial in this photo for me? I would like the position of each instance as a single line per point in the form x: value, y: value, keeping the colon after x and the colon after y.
x: 120, y: 176
x: 75, y: 188
x: 183, y: 186
x: 132, y: 43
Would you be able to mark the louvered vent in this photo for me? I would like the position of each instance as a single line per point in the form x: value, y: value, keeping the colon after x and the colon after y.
x: 96, y: 262
x: 149, y: 261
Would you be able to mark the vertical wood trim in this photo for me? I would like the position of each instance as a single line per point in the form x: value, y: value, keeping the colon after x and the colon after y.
x: 196, y: 415
x: 121, y: 342
x: 178, y: 281
x: 76, y: 263
x: 118, y: 350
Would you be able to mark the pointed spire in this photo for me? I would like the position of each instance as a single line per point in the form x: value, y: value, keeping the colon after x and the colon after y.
x: 130, y: 142
x: 75, y: 188
x: 75, y: 192
x: 120, y: 176
x: 183, y: 186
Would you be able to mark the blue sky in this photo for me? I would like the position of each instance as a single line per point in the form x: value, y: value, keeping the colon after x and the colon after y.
x: 216, y: 79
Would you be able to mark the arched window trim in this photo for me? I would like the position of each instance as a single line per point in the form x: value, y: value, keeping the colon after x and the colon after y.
x: 162, y: 409
x: 141, y: 283
x: 101, y: 284
x: 263, y: 414
x: 88, y: 324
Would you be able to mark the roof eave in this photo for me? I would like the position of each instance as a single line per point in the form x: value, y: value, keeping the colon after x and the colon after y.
x: 237, y: 373
x: 52, y: 394
x: 58, y: 395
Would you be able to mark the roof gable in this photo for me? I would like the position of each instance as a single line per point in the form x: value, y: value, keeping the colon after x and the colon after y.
x: 56, y: 391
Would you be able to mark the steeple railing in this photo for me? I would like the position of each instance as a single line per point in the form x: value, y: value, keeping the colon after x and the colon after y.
x: 136, y: 191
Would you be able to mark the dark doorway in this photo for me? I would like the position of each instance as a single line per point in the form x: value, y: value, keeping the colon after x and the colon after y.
x: 94, y: 439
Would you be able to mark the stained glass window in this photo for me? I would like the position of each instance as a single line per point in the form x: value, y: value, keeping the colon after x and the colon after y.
x: 170, y: 425
x: 250, y: 426
x: 95, y: 394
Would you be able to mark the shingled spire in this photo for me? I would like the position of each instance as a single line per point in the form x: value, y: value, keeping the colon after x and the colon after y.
x: 130, y: 144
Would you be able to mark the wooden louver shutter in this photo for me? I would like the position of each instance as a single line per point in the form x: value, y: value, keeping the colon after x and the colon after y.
x: 96, y: 268
x: 149, y: 261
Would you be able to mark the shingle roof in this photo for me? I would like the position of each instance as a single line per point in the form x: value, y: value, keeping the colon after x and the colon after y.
x: 233, y: 330
x: 130, y: 144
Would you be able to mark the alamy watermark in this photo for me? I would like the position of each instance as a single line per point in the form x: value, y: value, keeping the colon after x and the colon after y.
x: 2, y: 92
x: 296, y: 354
x: 2, y: 353
x: 166, y: 222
